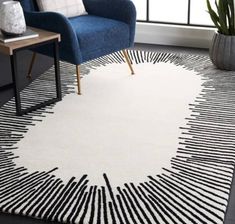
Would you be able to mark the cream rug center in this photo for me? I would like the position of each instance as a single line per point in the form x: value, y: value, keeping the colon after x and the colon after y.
x: 122, y: 125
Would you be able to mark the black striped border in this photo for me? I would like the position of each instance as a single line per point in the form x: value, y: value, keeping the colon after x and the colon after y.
x: 194, y: 190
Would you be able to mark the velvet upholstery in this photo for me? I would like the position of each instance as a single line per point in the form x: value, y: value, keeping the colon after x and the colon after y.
x: 108, y: 27
x: 98, y: 35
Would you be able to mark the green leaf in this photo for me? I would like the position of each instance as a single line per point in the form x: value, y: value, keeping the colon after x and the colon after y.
x: 231, y: 17
x: 221, y: 9
x: 214, y: 16
x: 222, y: 16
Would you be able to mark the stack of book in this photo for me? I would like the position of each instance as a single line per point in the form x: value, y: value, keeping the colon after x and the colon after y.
x: 27, y: 35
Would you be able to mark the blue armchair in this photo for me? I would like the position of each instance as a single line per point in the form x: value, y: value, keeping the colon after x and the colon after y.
x: 108, y: 27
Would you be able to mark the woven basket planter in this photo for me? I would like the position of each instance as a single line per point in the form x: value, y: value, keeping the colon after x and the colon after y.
x: 222, y: 51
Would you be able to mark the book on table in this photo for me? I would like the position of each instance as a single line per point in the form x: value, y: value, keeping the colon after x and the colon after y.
x: 26, y: 35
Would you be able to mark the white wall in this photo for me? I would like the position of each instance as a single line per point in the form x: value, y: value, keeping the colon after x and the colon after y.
x: 173, y: 35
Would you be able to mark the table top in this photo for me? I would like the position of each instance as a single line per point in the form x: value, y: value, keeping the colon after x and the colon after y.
x: 8, y: 48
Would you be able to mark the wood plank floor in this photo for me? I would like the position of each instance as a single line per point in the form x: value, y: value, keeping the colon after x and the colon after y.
x: 44, y: 63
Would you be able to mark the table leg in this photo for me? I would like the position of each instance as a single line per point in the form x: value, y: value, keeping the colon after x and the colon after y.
x: 13, y: 59
x: 57, y: 70
x: 15, y: 84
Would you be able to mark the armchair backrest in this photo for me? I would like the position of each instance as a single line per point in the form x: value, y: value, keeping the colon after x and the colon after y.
x: 29, y: 5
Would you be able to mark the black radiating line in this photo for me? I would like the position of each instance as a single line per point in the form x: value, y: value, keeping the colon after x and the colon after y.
x: 122, y: 209
x: 128, y: 207
x: 185, y: 178
x: 41, y: 200
x: 104, y: 200
x: 47, y: 207
x: 29, y: 199
x: 112, y: 212
x: 137, y: 203
x: 112, y: 197
x: 68, y: 198
x: 75, y: 197
x: 27, y: 186
x: 154, y: 205
x: 193, y: 188
x: 187, y: 164
x: 140, y: 220
x: 93, y: 205
x: 84, y: 198
x: 57, y: 203
x: 145, y: 203
x: 172, y: 190
x: 75, y: 210
x: 167, y: 199
x: 88, y: 200
x: 202, y: 178
x: 99, y: 208
x: 64, y: 202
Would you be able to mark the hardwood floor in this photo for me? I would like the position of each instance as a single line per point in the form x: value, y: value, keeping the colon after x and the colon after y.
x: 42, y: 64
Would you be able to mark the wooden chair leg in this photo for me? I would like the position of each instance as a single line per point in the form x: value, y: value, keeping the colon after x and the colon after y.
x: 128, y: 61
x: 29, y: 75
x: 78, y: 79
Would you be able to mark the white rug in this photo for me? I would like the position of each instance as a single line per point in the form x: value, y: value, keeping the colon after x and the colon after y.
x: 154, y: 147
x: 122, y: 125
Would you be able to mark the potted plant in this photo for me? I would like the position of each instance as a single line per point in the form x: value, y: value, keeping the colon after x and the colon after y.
x: 222, y: 50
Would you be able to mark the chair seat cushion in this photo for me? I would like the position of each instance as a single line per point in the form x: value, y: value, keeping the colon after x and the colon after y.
x: 99, y: 36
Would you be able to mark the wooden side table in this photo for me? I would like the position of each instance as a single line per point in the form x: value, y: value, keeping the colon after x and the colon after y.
x: 11, y: 49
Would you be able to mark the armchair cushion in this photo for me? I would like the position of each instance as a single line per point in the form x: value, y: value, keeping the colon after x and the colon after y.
x: 69, y: 8
x: 98, y: 36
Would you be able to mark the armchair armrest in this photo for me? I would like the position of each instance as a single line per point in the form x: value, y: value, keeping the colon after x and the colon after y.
x: 58, y: 23
x: 122, y: 10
